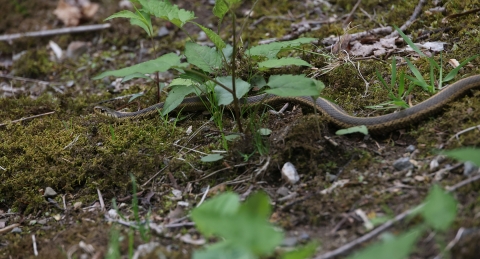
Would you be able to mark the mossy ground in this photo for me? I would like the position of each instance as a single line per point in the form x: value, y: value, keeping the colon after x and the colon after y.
x: 76, y: 152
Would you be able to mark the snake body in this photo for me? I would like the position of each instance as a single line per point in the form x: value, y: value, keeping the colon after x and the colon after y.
x: 335, y: 114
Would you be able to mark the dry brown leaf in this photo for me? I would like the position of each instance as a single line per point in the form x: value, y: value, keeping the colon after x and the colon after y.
x: 70, y: 15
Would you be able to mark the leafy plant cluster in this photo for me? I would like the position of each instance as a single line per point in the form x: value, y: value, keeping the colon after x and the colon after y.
x: 396, y: 100
x: 203, y: 72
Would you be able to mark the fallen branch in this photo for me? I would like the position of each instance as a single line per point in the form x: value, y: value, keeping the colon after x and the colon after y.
x: 9, y: 37
x: 27, y: 118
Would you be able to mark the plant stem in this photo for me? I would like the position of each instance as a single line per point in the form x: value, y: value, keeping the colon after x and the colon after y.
x: 236, y: 105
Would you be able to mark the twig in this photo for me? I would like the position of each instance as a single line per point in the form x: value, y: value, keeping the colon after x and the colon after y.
x: 35, y: 252
x: 27, y: 118
x: 8, y: 228
x: 3, y: 168
x: 463, y: 131
x: 462, y: 183
x: 204, y: 196
x: 368, y: 236
x: 416, y: 13
x: 19, y: 78
x: 100, y: 198
x: 9, y: 37
x: 350, y: 15
x: 155, y: 175
x: 382, y: 30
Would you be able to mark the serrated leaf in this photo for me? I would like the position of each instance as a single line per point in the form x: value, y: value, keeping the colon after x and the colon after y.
x: 160, y: 64
x: 167, y: 11
x: 244, y: 225
x: 211, y: 158
x: 294, y: 85
x: 357, y: 129
x: 440, y: 209
x: 464, y: 154
x: 206, y: 58
x: 219, y: 43
x: 223, y: 96
x: 275, y: 63
x: 272, y: 49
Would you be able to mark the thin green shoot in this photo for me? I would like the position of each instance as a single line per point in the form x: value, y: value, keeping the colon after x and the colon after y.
x: 112, y: 132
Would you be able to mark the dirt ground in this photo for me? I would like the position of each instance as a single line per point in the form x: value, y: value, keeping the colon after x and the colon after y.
x: 81, y: 155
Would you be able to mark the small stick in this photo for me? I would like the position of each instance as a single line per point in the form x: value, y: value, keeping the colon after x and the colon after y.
x: 416, y: 13
x: 8, y: 228
x: 35, y: 252
x: 27, y: 118
x: 19, y: 78
x: 9, y: 37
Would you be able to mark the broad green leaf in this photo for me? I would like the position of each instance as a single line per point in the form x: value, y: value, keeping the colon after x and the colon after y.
x: 211, y: 158
x: 440, y: 209
x: 271, y: 50
x: 360, y: 129
x: 167, y: 11
x: 304, y: 252
x: 181, y: 81
x: 258, y: 81
x: 274, y: 63
x: 176, y: 96
x: 454, y: 72
x: 464, y: 154
x: 222, y: 206
x: 294, y: 85
x: 394, y: 248
x: 223, y: 96
x: 244, y: 225
x: 206, y: 58
x: 135, y: 75
x: 264, y: 131
x: 227, y: 52
x: 160, y: 64
x: 220, y: 8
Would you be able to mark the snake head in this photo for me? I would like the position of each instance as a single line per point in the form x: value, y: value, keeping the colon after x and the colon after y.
x: 104, y: 111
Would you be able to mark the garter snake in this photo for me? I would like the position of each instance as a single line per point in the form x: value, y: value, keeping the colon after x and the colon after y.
x: 334, y: 114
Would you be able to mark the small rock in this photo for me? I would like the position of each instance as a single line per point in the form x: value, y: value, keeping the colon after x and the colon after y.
x: 112, y: 213
x: 469, y: 168
x: 290, y: 241
x: 402, y: 164
x: 283, y: 191
x: 49, y: 193
x: 202, y: 36
x: 289, y: 173
x: 17, y: 230
x: 410, y: 148
x: 162, y: 32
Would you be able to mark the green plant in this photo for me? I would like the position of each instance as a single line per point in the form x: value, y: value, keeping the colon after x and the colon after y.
x: 243, y: 228
x: 212, y: 71
x: 396, y: 100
